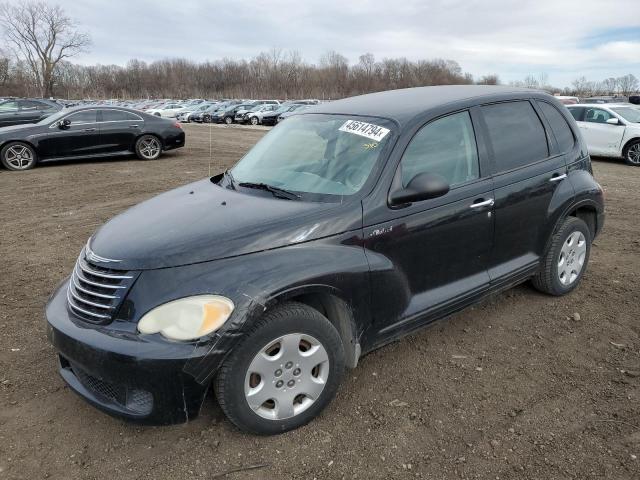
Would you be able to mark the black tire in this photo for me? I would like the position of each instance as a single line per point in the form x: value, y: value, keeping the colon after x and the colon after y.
x: 206, y: 119
x: 25, y: 160
x: 157, y: 114
x: 148, y: 147
x: 254, y: 120
x: 284, y: 319
x: 548, y: 278
x: 228, y: 120
x: 631, y: 154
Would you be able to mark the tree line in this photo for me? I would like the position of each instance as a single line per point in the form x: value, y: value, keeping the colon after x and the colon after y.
x: 273, y: 74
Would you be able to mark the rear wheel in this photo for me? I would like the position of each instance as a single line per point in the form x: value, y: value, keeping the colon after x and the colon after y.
x: 148, y: 147
x: 566, y: 260
x: 284, y: 373
x: 632, y: 154
x: 18, y: 156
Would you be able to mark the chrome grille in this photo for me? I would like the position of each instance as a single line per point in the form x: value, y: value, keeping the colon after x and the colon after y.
x: 94, y: 292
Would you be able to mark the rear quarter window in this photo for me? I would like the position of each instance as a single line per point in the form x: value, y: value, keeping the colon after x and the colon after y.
x: 559, y: 125
x: 516, y: 134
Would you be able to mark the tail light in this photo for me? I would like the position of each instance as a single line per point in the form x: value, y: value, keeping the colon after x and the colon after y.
x: 177, y: 125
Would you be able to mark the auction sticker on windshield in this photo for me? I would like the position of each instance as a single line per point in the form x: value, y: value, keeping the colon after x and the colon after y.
x: 368, y: 130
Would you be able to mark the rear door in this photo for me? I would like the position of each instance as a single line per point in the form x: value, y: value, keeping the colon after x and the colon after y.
x: 118, y: 130
x: 9, y: 113
x: 32, y: 111
x: 527, y: 170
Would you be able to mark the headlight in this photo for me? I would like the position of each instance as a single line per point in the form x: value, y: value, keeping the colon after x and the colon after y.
x: 187, y: 318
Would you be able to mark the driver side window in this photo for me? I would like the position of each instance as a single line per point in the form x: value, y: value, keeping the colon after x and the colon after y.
x: 597, y: 115
x: 83, y: 117
x: 447, y: 147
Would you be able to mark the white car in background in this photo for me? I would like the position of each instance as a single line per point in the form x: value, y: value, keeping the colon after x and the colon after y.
x: 167, y: 110
x: 610, y: 130
x: 185, y: 114
x: 254, y: 116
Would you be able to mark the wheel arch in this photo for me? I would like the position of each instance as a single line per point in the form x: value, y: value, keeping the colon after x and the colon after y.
x: 331, y: 303
x: 629, y: 142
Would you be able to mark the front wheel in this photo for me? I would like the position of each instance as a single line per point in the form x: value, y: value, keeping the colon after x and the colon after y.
x: 148, y: 147
x: 284, y: 373
x: 254, y: 120
x: 228, y: 120
x: 18, y: 156
x: 566, y: 260
x: 632, y: 154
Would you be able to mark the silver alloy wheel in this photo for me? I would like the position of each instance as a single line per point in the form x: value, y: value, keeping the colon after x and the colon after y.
x: 572, y: 256
x: 19, y: 157
x: 633, y: 154
x: 149, y: 147
x: 286, y: 376
x: 254, y: 120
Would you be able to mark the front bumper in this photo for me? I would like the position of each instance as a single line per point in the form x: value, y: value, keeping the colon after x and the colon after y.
x: 121, y: 373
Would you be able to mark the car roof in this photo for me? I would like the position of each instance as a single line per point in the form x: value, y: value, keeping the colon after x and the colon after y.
x: 404, y: 104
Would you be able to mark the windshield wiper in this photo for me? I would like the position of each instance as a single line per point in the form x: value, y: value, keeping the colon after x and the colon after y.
x: 230, y: 178
x: 276, y: 191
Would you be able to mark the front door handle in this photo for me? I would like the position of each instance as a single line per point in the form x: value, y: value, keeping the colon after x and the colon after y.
x: 482, y: 203
x: 556, y: 177
x: 133, y: 126
x: 89, y: 130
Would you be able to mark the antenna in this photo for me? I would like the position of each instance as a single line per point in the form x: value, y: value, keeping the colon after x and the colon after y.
x: 210, y: 149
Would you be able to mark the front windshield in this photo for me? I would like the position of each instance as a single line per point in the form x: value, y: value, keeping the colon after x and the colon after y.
x: 317, y: 154
x: 630, y: 114
x: 53, y: 118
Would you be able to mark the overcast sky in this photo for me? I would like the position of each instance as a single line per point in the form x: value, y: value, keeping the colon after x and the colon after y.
x: 513, y: 38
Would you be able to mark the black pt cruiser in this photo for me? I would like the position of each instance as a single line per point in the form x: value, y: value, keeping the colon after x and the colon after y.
x: 350, y: 225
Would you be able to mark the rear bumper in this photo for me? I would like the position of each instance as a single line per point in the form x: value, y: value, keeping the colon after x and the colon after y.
x: 120, y: 373
x: 174, y: 141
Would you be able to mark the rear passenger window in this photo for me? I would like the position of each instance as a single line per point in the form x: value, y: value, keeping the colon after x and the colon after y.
x: 516, y: 134
x: 559, y: 125
x: 446, y: 146
x: 576, y: 112
x: 118, y: 116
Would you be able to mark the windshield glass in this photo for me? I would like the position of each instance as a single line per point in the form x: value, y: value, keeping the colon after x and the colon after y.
x: 53, y: 118
x: 630, y: 114
x: 317, y: 154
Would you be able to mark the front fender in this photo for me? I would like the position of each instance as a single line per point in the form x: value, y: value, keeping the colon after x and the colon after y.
x: 254, y: 282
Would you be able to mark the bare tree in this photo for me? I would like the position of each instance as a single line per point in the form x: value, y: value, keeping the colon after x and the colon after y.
x: 43, y: 36
x: 531, y: 82
x: 627, y: 84
x: 492, y: 79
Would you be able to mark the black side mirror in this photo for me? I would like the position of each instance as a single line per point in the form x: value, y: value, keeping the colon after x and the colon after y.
x: 421, y: 187
x: 63, y: 124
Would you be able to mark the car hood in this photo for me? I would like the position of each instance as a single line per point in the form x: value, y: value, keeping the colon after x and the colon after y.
x: 23, y: 129
x: 202, y: 221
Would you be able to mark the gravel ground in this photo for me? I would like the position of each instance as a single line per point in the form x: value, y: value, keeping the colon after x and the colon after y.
x: 521, y: 386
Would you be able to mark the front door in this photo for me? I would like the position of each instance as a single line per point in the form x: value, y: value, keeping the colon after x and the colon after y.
x: 80, y: 138
x: 437, y: 250
x: 602, y: 137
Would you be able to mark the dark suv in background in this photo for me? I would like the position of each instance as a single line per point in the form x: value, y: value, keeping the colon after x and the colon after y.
x: 26, y: 110
x: 348, y: 226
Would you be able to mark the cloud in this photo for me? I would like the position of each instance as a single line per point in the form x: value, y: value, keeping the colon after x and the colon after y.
x: 511, y: 38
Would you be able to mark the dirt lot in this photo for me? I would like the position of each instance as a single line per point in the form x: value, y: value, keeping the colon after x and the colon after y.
x: 513, y: 388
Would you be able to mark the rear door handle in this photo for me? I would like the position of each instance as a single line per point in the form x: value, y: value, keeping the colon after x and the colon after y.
x: 556, y: 177
x: 482, y: 203
x: 89, y: 130
x: 133, y: 126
